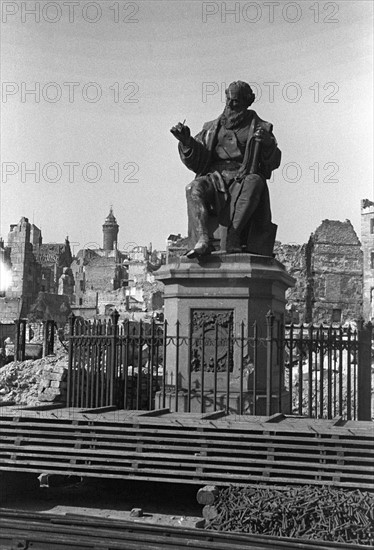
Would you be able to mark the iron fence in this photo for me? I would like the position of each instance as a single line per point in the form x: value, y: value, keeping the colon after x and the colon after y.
x: 315, y: 371
x: 321, y: 364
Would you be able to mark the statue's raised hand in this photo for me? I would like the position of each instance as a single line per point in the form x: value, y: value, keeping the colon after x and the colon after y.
x: 182, y: 133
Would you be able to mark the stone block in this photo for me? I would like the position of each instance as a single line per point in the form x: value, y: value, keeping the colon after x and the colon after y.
x: 59, y: 369
x: 136, y: 513
x: 49, y: 394
x: 54, y: 376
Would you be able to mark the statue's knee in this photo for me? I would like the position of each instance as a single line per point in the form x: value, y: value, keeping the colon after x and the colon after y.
x: 254, y: 183
x: 254, y: 179
x: 191, y: 186
x: 195, y: 189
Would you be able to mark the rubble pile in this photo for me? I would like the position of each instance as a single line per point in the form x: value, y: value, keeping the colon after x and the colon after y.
x: 314, y: 513
x: 34, y: 382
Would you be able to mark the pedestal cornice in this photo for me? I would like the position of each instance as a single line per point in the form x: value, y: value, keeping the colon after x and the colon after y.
x: 224, y: 266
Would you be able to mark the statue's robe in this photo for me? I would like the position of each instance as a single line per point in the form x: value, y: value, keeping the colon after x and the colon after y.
x: 200, y: 157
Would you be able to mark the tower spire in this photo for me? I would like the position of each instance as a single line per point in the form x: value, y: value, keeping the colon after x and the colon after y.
x: 110, y: 231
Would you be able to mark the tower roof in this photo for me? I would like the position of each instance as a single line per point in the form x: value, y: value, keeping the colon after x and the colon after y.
x: 110, y: 219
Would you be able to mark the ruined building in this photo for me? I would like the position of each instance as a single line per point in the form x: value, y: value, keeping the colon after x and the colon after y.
x: 29, y: 267
x: 367, y: 238
x: 328, y: 273
x: 107, y: 278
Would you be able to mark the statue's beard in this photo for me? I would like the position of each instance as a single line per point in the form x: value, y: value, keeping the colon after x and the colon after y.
x: 233, y: 119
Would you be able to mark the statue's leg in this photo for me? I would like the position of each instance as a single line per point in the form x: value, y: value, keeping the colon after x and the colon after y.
x: 200, y: 199
x: 246, y: 198
x: 262, y: 214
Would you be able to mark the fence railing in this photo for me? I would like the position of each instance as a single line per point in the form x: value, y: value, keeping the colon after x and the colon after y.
x: 322, y: 367
x: 316, y: 371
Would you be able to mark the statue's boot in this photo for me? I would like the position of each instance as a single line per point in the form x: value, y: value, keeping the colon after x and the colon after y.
x: 199, y: 215
x: 201, y: 248
x: 233, y: 241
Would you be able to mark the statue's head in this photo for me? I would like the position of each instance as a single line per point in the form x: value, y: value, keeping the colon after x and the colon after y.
x: 239, y: 96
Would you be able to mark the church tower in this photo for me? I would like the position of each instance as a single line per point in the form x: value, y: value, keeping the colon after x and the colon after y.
x: 110, y: 231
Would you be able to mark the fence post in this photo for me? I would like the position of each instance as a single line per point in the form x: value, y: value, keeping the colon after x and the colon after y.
x: 164, y: 372
x: 49, y: 337
x: 70, y: 362
x: 19, y: 351
x: 364, y: 371
x: 113, y: 362
x: 269, y: 359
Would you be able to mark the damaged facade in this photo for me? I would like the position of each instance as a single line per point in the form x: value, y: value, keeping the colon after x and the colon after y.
x: 367, y: 238
x: 93, y: 283
x: 29, y: 267
x: 329, y: 275
x: 334, y: 274
x: 108, y: 278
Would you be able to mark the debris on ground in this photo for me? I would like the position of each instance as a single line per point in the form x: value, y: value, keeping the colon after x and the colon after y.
x: 305, y: 512
x: 34, y: 382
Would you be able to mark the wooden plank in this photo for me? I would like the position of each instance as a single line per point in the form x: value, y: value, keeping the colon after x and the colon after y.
x: 276, y: 428
x: 219, y: 445
x: 278, y: 417
x: 44, y: 407
x: 99, y: 410
x: 279, y: 450
x: 207, y: 453
x: 197, y: 449
x: 276, y: 483
x: 208, y: 450
x: 275, y: 475
x: 320, y: 425
x: 214, y: 433
x: 211, y: 463
x: 213, y: 415
x: 156, y: 412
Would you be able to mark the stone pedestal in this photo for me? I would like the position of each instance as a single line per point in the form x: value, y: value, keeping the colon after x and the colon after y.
x: 224, y: 290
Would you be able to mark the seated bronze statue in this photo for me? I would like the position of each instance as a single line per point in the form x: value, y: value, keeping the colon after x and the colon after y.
x: 232, y: 158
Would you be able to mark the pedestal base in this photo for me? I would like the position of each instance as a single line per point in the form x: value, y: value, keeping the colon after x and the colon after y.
x: 219, y: 298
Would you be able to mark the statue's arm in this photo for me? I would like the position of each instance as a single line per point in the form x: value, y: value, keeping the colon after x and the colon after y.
x: 270, y: 155
x: 196, y: 156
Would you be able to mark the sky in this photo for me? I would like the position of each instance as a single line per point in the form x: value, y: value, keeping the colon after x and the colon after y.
x: 110, y: 78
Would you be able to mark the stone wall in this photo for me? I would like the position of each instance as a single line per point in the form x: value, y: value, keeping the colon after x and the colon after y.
x: 328, y: 273
x: 367, y: 238
x: 96, y: 272
x: 335, y: 273
x: 10, y: 309
x: 294, y: 257
x: 26, y: 271
x: 34, y: 267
